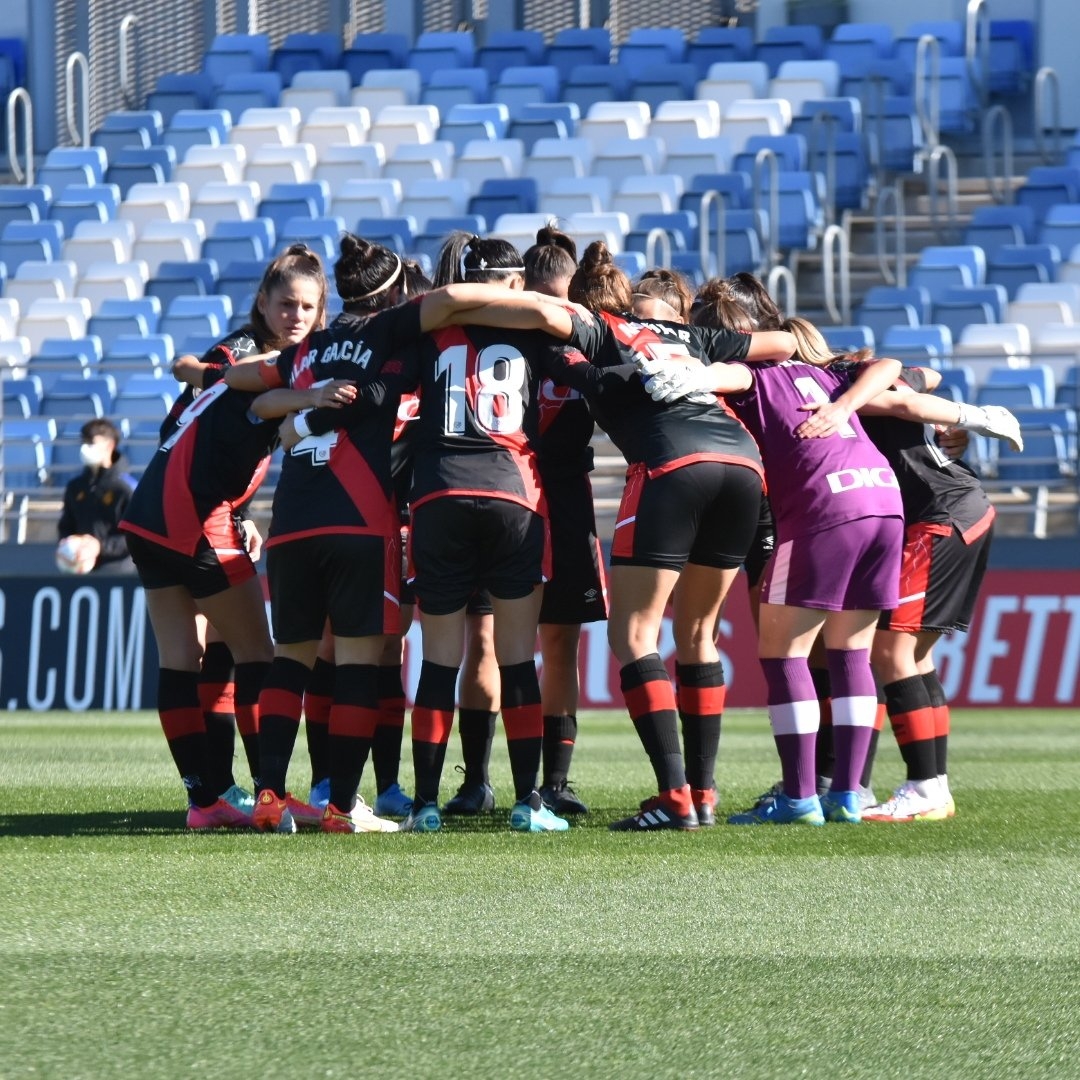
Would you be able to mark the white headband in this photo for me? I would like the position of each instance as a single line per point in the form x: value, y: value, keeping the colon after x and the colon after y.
x: 382, y: 288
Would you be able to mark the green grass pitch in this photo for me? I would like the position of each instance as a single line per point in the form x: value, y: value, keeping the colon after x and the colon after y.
x: 130, y: 948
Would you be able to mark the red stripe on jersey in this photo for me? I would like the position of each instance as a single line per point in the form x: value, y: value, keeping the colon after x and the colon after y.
x: 915, y: 726
x: 702, y: 700
x: 523, y: 721
x: 651, y: 697
x: 622, y: 540
x: 181, y: 517
x: 392, y: 584
x: 355, y: 475
x: 694, y: 459
x: 353, y: 721
x: 980, y: 526
x: 176, y: 723
x: 431, y: 725
x: 276, y: 702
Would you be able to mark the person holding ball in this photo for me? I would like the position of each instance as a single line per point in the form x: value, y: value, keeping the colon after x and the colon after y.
x: 94, y: 503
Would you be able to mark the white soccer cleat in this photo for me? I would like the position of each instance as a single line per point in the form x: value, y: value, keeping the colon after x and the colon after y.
x: 912, y: 801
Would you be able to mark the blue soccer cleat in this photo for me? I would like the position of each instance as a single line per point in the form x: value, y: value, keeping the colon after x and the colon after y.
x: 532, y: 815
x: 393, y: 802
x: 781, y: 810
x: 426, y: 818
x: 842, y: 806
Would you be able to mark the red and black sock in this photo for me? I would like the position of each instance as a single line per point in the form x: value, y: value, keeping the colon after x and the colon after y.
x: 650, y: 699
x: 879, y: 723
x: 216, y: 695
x: 523, y: 719
x: 700, y: 693
x: 825, y: 755
x: 432, y: 720
x: 250, y: 678
x: 560, y: 735
x: 279, y: 720
x: 476, y: 728
x: 912, y: 717
x: 353, y: 717
x: 386, y: 744
x: 182, y: 722
x: 942, y: 721
x: 318, y: 697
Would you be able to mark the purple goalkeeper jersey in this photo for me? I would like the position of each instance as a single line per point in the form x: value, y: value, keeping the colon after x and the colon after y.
x: 813, y: 483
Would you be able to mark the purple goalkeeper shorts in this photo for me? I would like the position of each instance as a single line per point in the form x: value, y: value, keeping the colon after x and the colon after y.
x: 850, y: 567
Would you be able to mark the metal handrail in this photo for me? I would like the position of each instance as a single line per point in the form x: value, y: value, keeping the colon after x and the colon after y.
x: 828, y: 123
x: 129, y: 87
x: 708, y: 198
x: 766, y: 158
x: 977, y: 48
x: 20, y: 96
x: 77, y: 60
x: 934, y: 157
x: 841, y: 315
x: 1047, y: 76
x: 996, y: 113
x: 778, y: 274
x: 655, y: 236
x: 896, y: 193
x: 930, y: 122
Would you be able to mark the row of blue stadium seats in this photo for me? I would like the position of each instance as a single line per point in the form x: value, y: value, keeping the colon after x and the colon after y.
x: 858, y: 46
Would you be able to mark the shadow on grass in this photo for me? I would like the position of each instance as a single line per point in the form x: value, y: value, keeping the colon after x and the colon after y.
x: 93, y: 824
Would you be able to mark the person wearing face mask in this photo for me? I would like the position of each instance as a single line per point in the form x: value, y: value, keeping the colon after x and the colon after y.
x: 94, y: 503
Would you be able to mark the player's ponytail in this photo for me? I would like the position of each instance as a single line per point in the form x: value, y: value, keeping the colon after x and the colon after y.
x: 599, y: 284
x: 366, y: 274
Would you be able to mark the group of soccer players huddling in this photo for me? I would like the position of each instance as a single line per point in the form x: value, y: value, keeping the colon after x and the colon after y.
x: 436, y: 440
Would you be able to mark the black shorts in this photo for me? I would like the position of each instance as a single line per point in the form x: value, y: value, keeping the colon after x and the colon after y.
x: 940, y: 576
x: 206, y: 573
x: 350, y: 580
x: 764, y: 544
x: 705, y: 513
x: 464, y: 543
x: 576, y: 592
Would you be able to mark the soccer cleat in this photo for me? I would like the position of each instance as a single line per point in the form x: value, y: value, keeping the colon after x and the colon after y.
x: 426, y: 818
x: 913, y: 800
x: 705, y: 800
x: 562, y: 798
x: 781, y: 810
x: 471, y: 799
x: 320, y: 794
x: 842, y: 806
x: 219, y: 815
x: 769, y: 794
x: 532, y: 815
x: 238, y: 797
x: 657, y: 813
x: 359, y: 819
x: 272, y: 814
x: 393, y: 802
x: 305, y: 815
x: 867, y: 798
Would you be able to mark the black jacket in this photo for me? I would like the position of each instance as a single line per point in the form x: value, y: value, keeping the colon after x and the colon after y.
x: 94, y: 503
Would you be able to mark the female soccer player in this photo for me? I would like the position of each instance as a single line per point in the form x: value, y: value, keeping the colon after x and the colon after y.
x: 193, y: 558
x: 289, y: 303
x: 479, y: 521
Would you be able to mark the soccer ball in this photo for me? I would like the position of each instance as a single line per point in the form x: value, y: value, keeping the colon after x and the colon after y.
x: 72, y: 557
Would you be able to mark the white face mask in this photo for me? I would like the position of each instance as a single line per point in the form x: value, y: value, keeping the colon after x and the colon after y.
x: 93, y: 455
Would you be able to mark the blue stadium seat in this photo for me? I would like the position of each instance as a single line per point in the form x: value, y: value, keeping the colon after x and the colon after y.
x: 783, y: 43
x: 720, y: 44
x: 26, y: 241
x: 1014, y: 265
x: 377, y: 51
x: 859, y: 47
x: 957, y: 382
x: 449, y: 87
x: 519, y: 87
x: 879, y: 296
x: 303, y: 51
x: 1048, y: 185
x: 512, y: 195
x: 510, y: 48
x: 1012, y: 55
x: 574, y: 46
x: 138, y: 352
x: 24, y: 203
x: 790, y: 151
x: 230, y: 54
x: 248, y: 90
x: 881, y: 319
x: 848, y: 339
x: 591, y: 83
x: 1039, y: 377
x: 656, y: 83
x: 918, y: 343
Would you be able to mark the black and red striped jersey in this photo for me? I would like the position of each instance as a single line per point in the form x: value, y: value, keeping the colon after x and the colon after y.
x: 212, y: 462
x: 934, y: 487
x: 236, y: 346
x: 665, y: 436
x: 479, y: 424
x: 338, y: 479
